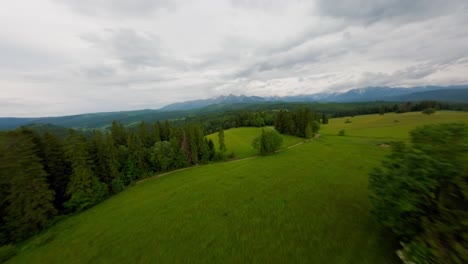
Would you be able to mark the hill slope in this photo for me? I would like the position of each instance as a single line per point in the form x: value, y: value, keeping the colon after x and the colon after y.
x: 307, y: 204
x: 294, y: 206
x: 239, y: 140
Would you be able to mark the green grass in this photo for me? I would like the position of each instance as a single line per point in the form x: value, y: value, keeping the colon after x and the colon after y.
x: 390, y: 125
x: 307, y: 204
x: 240, y: 140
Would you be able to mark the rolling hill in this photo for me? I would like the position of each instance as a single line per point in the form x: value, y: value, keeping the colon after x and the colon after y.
x: 306, y: 204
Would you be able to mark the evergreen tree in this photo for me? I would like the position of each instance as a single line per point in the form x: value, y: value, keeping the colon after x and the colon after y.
x: 163, y: 155
x: 145, y: 135
x: 139, y: 156
x: 185, y: 148
x: 156, y: 134
x: 82, y: 185
x: 222, y: 145
x: 324, y: 119
x: 26, y: 200
x: 309, y: 132
x: 211, y: 149
x: 105, y: 157
x: 57, y: 167
x: 119, y: 133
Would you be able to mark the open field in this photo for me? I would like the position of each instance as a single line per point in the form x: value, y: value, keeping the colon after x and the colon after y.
x: 306, y: 204
x: 240, y: 140
x: 390, y: 125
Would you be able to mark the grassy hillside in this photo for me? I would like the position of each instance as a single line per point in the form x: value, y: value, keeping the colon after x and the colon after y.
x: 307, y: 204
x: 390, y: 125
x: 239, y: 140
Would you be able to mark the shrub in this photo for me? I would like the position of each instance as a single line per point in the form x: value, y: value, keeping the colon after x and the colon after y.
x: 341, y: 133
x: 117, y: 185
x: 428, y: 111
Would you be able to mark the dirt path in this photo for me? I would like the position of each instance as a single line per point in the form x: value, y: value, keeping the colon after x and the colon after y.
x: 229, y: 161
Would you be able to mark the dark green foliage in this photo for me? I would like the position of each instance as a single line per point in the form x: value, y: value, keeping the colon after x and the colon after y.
x: 428, y: 111
x: 139, y: 156
x: 301, y: 122
x: 79, y: 201
x: 341, y: 133
x: 145, y: 136
x: 163, y: 155
x: 119, y: 133
x: 421, y: 193
x: 57, y: 167
x: 324, y: 118
x: 84, y: 188
x: 315, y: 126
x: 211, y: 149
x: 381, y: 111
x: 268, y: 142
x: 117, y: 185
x: 309, y: 132
x: 26, y: 202
x: 105, y: 158
x: 222, y: 145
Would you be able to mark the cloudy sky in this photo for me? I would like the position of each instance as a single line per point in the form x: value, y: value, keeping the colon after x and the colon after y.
x: 60, y: 57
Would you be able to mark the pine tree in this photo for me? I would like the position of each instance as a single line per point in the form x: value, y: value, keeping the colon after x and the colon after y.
x: 57, y: 167
x: 26, y: 202
x: 119, y: 133
x: 185, y: 148
x: 222, y: 145
x: 145, y: 135
x: 308, y: 132
x: 105, y: 157
x: 324, y: 119
x: 83, y: 184
x: 211, y: 149
x: 139, y: 155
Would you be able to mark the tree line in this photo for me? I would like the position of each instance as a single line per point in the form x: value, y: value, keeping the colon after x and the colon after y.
x: 301, y: 122
x: 43, y: 176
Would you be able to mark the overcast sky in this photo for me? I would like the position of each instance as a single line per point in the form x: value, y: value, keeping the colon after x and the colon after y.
x: 60, y: 57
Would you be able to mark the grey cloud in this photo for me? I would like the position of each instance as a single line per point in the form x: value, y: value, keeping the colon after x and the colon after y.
x: 118, y: 8
x: 370, y: 11
x: 133, y: 49
x: 408, y: 76
x: 260, y: 4
x: 98, y: 72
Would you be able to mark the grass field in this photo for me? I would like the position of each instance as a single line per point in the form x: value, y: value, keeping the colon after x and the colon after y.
x: 307, y: 204
x: 240, y: 140
x: 390, y: 125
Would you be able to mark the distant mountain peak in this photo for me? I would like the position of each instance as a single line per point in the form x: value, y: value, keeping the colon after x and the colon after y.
x: 370, y: 93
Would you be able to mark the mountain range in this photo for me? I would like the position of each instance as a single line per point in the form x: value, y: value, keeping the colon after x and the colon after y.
x: 458, y: 94
x: 453, y: 94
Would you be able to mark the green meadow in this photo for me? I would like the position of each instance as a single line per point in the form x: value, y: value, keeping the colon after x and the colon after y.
x: 239, y: 140
x: 306, y: 204
x: 390, y: 125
